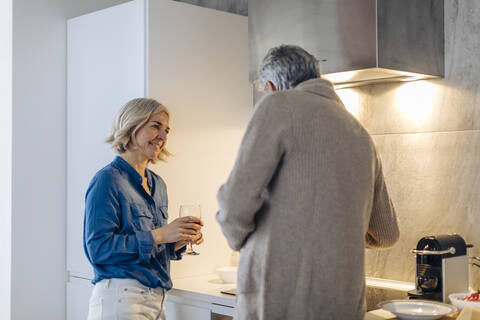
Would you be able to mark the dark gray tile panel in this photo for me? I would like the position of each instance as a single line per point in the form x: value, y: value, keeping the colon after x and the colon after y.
x: 233, y: 6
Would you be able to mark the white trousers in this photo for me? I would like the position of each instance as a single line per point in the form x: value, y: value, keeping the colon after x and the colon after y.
x: 126, y: 299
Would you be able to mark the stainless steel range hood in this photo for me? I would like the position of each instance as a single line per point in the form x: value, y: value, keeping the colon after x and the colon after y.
x: 358, y: 42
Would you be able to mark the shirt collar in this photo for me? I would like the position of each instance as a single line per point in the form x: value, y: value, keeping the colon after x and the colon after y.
x: 120, y: 163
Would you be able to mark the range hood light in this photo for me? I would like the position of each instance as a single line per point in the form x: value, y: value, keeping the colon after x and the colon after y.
x: 363, y: 77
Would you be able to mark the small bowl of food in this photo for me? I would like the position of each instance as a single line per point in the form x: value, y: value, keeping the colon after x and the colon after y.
x: 461, y: 300
x: 228, y: 274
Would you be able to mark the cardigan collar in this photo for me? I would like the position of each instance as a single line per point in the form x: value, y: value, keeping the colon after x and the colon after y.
x: 318, y: 86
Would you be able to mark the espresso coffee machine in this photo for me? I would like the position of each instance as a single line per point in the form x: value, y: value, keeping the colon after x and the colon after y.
x: 442, y: 267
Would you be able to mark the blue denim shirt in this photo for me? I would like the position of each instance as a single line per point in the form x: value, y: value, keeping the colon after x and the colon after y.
x: 119, y: 215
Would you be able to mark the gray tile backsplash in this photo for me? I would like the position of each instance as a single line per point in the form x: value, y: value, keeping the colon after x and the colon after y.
x: 433, y: 180
x: 428, y: 135
x: 445, y: 104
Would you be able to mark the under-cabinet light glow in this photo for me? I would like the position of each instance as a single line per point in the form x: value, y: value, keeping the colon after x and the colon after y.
x: 415, y: 101
x: 351, y: 101
x: 363, y: 77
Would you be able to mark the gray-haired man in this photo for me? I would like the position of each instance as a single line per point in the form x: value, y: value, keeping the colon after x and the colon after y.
x: 306, y: 195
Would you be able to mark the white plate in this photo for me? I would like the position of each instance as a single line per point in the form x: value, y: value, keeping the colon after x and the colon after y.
x: 417, y: 309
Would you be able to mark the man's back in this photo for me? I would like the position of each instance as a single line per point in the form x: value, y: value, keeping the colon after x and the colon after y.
x: 304, y: 184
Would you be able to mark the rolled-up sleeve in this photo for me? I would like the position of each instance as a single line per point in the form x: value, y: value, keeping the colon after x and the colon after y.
x: 102, y: 241
x: 175, y: 255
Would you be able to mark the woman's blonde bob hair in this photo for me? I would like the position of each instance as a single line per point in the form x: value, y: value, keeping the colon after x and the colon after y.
x: 133, y: 115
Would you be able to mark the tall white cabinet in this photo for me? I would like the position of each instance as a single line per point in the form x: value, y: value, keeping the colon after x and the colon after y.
x: 192, y: 59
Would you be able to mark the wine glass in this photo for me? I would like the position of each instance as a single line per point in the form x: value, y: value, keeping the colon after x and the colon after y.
x: 193, y: 210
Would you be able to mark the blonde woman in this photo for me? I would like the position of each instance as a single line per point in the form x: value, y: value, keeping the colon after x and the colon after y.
x: 126, y: 236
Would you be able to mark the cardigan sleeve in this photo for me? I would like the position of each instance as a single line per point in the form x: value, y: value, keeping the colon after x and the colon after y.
x: 383, y: 231
x: 260, y: 152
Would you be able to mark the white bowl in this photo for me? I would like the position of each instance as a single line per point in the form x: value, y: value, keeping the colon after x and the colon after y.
x: 460, y: 304
x: 228, y: 274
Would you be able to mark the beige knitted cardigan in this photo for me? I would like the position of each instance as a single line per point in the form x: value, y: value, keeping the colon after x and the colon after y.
x: 306, y: 195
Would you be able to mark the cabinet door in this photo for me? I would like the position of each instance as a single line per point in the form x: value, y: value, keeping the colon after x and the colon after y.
x: 78, y: 294
x: 198, y: 67
x: 178, y: 311
x: 223, y: 312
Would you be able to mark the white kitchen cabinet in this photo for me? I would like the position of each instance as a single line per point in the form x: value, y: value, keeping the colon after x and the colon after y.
x: 179, y: 311
x: 79, y: 291
x: 202, y: 292
x: 192, y: 59
x: 192, y: 305
x: 106, y: 67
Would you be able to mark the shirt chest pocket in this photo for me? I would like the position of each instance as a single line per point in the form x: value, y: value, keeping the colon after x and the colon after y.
x: 163, y: 212
x: 143, y: 219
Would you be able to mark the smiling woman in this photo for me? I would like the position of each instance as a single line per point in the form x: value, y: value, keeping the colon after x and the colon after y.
x: 127, y: 238
x: 152, y: 137
x: 149, y: 117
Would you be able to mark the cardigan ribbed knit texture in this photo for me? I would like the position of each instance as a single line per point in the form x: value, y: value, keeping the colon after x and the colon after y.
x: 305, y: 197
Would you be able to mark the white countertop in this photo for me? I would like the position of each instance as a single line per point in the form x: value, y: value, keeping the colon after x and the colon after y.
x: 204, y: 288
x: 389, y: 284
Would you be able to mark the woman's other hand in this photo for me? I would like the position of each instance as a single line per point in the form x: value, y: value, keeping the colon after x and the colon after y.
x: 180, y: 244
x: 180, y: 229
x: 198, y: 239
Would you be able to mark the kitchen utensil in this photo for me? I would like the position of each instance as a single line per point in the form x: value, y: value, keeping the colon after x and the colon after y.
x: 232, y: 292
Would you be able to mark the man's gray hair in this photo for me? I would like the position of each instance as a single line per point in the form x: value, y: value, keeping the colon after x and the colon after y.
x: 286, y: 66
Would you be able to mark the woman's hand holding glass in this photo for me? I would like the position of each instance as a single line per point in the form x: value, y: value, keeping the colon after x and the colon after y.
x: 191, y: 211
x: 198, y: 239
x: 184, y: 229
